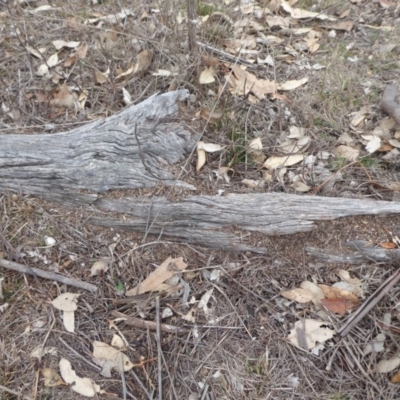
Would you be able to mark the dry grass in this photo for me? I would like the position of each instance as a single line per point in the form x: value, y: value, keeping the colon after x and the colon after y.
x: 244, y: 355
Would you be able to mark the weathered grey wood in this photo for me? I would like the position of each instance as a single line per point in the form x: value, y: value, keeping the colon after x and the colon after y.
x: 102, y: 155
x: 362, y: 252
x: 208, y: 220
x: 176, y: 232
x: 107, y: 154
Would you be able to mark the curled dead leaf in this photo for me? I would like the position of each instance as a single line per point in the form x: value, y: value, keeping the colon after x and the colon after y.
x: 201, y: 158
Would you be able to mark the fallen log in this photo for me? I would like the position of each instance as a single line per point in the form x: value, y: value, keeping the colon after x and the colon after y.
x: 362, y: 252
x: 211, y: 221
x: 131, y: 149
x: 135, y: 149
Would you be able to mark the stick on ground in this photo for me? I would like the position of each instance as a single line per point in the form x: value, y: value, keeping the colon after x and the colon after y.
x: 48, y: 275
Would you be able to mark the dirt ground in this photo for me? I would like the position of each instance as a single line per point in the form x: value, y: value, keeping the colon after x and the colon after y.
x: 235, y: 346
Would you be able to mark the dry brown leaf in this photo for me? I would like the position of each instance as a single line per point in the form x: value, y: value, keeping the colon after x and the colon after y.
x: 224, y: 172
x: 63, y: 98
x: 388, y: 245
x: 385, y: 366
x: 100, y: 77
x: 347, y: 152
x: 201, y: 158
x: 67, y: 302
x: 373, y: 144
x: 385, y: 3
x: 209, y: 147
x: 299, y: 295
x: 128, y: 72
x: 345, y: 13
x: 339, y: 306
x: 100, y: 266
x: 207, y: 76
x: 255, y: 144
x: 167, y: 269
x: 308, y: 332
x: 210, y: 61
x: 312, y: 45
x: 253, y: 184
x: 52, y: 378
x: 394, y: 143
x: 59, y: 44
x: 86, y: 387
x: 277, y: 21
x: 395, y: 378
x: 356, y: 284
x: 293, y: 84
x: 243, y: 82
x: 71, y: 60
x: 42, y: 70
x: 300, y: 186
x: 343, y: 26
x: 275, y: 162
x: 110, y: 358
x: 144, y: 60
x: 298, y: 13
x: 82, y: 50
x: 333, y: 293
x: 38, y: 53
x: 118, y: 342
x: 67, y: 373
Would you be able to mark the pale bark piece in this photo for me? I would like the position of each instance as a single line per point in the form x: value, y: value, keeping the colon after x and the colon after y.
x: 166, y: 270
x: 131, y: 149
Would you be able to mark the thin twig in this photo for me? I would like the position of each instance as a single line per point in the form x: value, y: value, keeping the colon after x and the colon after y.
x: 369, y: 304
x: 227, y: 55
x: 97, y: 367
x: 159, y: 350
x: 151, y: 325
x: 234, y: 310
x: 140, y: 383
x: 122, y: 374
x: 5, y: 389
x: 47, y: 275
x: 40, y: 357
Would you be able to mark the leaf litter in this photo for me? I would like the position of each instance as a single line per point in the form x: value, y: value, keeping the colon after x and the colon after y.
x: 256, y: 88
